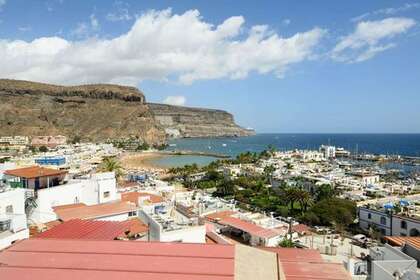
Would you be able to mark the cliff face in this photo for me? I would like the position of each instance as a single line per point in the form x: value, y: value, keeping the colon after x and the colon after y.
x: 100, y: 112
x: 181, y: 121
x: 93, y: 112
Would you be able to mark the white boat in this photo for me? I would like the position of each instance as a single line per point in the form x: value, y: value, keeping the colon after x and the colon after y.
x: 224, y: 145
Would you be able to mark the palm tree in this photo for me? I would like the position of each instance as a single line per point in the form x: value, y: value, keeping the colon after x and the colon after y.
x: 304, y: 198
x: 290, y: 195
x: 268, y: 171
x: 110, y: 164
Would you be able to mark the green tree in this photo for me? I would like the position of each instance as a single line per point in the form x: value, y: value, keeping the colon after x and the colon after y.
x: 286, y: 243
x: 76, y: 139
x: 335, y: 211
x: 304, y: 198
x: 324, y: 191
x: 43, y: 149
x: 110, y: 164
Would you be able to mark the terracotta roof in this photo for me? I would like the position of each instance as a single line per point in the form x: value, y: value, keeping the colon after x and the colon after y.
x: 51, y: 259
x: 134, y: 197
x: 34, y: 172
x: 301, y: 229
x: 93, y: 211
x: 217, y: 216
x: 136, y: 226
x: 248, y: 227
x: 401, y: 240
x: 86, y: 229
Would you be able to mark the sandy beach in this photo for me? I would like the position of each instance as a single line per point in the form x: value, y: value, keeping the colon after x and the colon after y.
x: 141, y: 161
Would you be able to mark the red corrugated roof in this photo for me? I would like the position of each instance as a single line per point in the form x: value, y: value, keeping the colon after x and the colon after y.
x: 52, y: 259
x: 87, y: 229
x: 34, y: 172
x: 401, y: 240
x: 80, y: 211
x: 102, y: 260
x: 248, y: 227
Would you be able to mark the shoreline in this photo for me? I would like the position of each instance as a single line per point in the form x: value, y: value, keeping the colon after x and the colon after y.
x: 141, y: 161
x: 144, y: 160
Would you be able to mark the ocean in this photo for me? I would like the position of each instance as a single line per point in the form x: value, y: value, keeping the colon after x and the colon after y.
x: 388, y: 144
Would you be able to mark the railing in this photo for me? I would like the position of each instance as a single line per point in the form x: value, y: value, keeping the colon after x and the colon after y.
x: 16, y: 184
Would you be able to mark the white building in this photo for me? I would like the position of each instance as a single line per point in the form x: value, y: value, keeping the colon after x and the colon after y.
x: 166, y: 225
x: 13, y: 223
x: 387, y: 223
x: 328, y: 151
x: 96, y: 189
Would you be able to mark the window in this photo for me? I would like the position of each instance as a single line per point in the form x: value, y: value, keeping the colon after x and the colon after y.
x: 9, y: 209
x: 383, y: 221
x: 369, y: 216
x: 107, y: 194
x: 404, y: 224
x: 131, y: 214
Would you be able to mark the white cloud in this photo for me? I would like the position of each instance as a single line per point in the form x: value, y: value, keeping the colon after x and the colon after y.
x: 2, y: 3
x: 286, y: 21
x: 120, y: 12
x: 370, y: 38
x: 160, y: 46
x: 86, y: 29
x: 177, y: 100
x: 387, y: 11
x: 24, y: 28
x: 94, y: 23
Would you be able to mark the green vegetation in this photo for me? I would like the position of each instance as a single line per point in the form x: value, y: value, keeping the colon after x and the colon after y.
x: 297, y: 197
x: 110, y: 164
x: 43, y: 149
x: 286, y: 243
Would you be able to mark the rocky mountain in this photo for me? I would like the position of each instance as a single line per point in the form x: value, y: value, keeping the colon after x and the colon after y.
x: 100, y: 112
x: 181, y: 121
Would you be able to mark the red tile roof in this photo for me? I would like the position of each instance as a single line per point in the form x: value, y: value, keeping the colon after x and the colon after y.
x: 137, y: 227
x: 87, y: 229
x: 301, y: 229
x: 134, y: 197
x: 34, y: 172
x: 249, y: 227
x: 52, y: 259
x: 401, y: 240
x: 80, y: 211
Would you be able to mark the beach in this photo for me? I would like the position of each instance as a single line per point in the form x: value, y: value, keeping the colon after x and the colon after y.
x: 141, y: 161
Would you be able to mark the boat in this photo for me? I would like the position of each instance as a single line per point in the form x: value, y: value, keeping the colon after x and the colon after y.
x: 224, y: 145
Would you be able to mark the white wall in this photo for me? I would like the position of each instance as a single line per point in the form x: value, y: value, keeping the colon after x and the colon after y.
x: 89, y: 191
x: 9, y: 240
x: 398, y: 230
x: 375, y: 220
x: 15, y: 198
x: 194, y: 234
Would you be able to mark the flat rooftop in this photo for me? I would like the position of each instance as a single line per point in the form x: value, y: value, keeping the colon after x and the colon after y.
x: 82, y: 211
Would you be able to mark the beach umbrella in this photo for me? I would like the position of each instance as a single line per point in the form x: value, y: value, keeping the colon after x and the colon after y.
x: 404, y: 202
x: 389, y: 205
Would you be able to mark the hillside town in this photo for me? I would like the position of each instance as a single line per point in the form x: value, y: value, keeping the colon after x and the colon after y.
x: 345, y: 216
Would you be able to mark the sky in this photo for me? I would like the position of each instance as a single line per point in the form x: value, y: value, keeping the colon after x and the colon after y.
x: 277, y: 66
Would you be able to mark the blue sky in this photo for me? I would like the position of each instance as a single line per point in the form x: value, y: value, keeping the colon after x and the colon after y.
x: 278, y: 66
